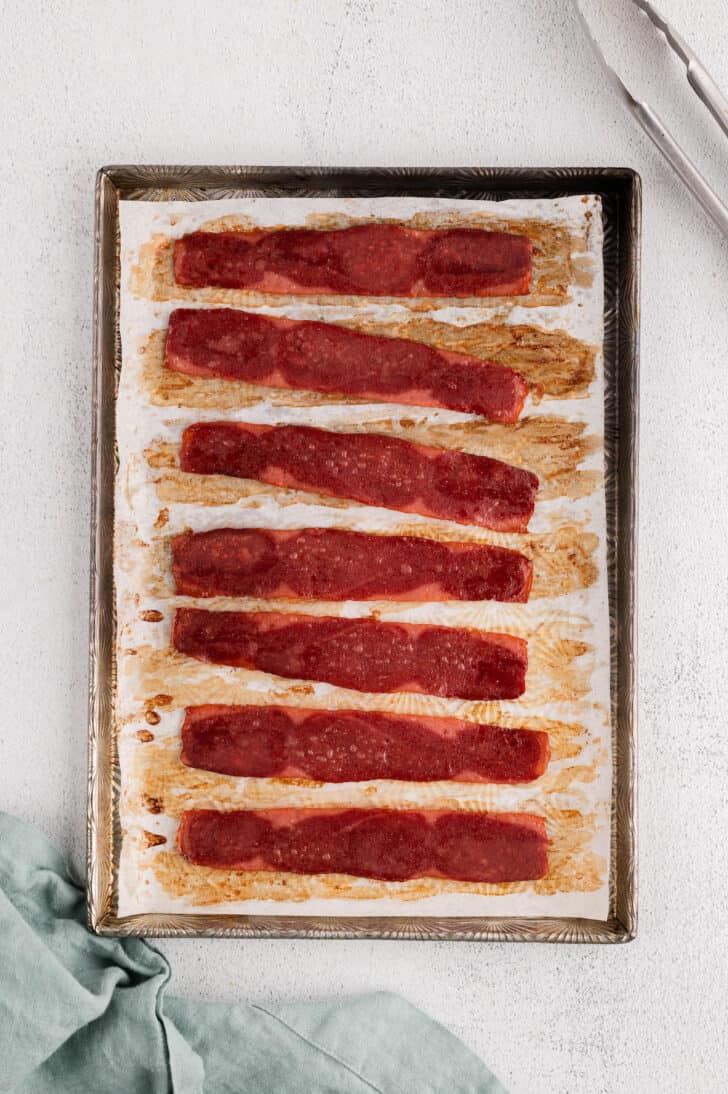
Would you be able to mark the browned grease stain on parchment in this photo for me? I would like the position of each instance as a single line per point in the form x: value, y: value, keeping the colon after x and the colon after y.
x: 551, y: 447
x: 559, y: 668
x: 194, y: 683
x: 563, y: 560
x: 559, y: 261
x: 151, y: 616
x: 553, y: 362
x: 572, y: 868
x: 153, y: 839
x: 161, y: 777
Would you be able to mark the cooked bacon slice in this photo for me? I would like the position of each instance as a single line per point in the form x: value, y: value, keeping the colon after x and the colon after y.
x: 358, y: 653
x: 339, y: 746
x: 388, y: 844
x: 285, y: 353
x: 368, y: 260
x: 367, y: 467
x: 331, y: 564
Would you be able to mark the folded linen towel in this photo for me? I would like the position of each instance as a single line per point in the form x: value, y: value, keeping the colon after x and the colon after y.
x: 79, y: 1013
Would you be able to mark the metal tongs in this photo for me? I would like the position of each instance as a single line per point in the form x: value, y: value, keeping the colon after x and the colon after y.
x: 704, y: 87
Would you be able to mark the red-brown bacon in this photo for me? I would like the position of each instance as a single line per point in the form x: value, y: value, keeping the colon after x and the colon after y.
x: 369, y: 468
x: 369, y: 260
x: 352, y: 745
x: 387, y: 844
x: 285, y: 353
x: 363, y: 654
x: 332, y: 564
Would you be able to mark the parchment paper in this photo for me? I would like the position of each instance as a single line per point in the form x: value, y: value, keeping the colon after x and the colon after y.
x: 568, y: 680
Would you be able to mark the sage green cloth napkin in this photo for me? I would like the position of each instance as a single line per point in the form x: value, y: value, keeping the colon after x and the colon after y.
x: 82, y: 1013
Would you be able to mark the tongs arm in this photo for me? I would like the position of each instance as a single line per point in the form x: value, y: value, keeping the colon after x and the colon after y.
x: 698, y: 76
x: 650, y: 121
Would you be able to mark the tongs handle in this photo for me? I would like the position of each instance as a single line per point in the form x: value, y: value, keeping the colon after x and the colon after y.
x: 699, y: 78
x: 703, y: 85
x: 680, y: 163
x: 709, y: 93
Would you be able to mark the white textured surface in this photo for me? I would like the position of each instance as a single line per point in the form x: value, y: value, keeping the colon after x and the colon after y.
x: 391, y: 82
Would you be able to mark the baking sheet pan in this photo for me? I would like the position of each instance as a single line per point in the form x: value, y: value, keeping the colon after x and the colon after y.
x: 619, y: 191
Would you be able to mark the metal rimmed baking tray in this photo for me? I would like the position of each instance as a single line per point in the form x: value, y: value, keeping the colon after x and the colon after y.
x: 619, y: 189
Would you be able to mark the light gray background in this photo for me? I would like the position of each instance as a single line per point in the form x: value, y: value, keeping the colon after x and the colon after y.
x: 465, y: 83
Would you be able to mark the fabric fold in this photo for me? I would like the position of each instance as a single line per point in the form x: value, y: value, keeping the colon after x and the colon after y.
x: 80, y: 1012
